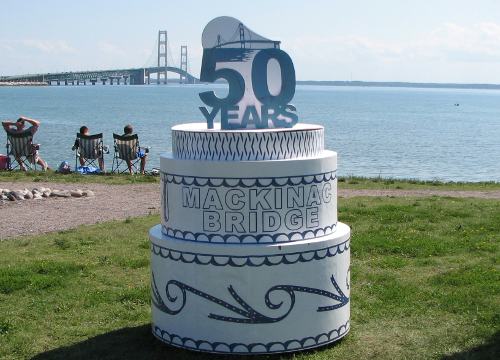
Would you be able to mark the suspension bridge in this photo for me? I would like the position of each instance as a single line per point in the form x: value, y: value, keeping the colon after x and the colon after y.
x: 133, y: 76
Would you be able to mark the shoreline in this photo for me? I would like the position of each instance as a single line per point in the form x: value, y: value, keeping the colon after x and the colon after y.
x: 383, y: 84
x: 120, y: 202
x: 351, y: 182
x: 22, y: 83
x: 398, y: 84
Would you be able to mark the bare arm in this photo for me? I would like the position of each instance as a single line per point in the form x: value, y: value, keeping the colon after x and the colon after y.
x: 34, y: 124
x: 31, y: 121
x: 7, y: 124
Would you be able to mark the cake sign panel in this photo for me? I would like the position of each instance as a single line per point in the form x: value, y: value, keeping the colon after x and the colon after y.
x: 260, y: 76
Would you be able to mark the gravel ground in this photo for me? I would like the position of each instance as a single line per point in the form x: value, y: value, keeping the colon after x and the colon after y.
x: 116, y: 202
x: 111, y: 202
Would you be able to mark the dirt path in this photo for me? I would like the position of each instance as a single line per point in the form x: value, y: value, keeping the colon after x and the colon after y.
x: 115, y: 202
x: 111, y: 202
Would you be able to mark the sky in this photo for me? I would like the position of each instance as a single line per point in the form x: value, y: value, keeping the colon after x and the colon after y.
x: 386, y: 40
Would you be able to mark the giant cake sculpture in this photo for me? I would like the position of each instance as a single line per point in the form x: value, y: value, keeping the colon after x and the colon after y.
x: 250, y: 257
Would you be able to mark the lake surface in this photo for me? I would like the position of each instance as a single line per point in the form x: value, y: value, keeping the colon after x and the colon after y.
x: 388, y: 132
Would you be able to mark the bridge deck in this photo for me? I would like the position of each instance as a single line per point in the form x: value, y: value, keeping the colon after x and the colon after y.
x: 99, y: 75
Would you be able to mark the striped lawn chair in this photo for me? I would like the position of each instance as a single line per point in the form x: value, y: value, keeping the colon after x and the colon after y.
x: 126, y: 150
x: 90, y: 149
x: 20, y: 147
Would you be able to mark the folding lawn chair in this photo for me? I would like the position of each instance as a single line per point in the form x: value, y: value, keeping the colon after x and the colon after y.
x: 90, y: 149
x: 20, y: 146
x: 126, y: 150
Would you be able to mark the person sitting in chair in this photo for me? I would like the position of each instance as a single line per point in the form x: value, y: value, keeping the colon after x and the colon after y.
x: 128, y: 130
x: 85, y: 131
x: 18, y: 128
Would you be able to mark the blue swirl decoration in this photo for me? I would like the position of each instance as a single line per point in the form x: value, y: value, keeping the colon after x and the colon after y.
x: 189, y: 257
x: 245, y: 312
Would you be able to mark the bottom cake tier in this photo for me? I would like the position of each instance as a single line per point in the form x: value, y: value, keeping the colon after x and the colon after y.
x: 250, y: 298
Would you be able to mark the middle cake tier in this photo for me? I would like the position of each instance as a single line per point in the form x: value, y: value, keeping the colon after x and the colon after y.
x: 249, y: 201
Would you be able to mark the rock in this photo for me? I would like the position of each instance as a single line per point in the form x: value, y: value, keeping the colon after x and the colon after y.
x: 3, y: 197
x: 88, y: 193
x: 76, y: 193
x: 61, y: 193
x: 37, y: 196
x: 36, y: 192
x: 11, y: 197
x: 46, y: 193
x: 18, y: 194
x: 28, y: 195
x: 5, y: 191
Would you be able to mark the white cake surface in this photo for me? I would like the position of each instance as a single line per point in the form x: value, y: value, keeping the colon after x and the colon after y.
x: 250, y: 299
x: 249, y: 257
x: 194, y: 141
x: 249, y: 201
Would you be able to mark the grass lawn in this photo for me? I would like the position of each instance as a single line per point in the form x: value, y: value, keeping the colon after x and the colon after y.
x: 344, y: 182
x: 425, y: 285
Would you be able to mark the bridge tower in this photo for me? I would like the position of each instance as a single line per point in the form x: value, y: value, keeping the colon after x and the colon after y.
x: 241, y: 28
x: 162, y: 56
x: 184, y: 64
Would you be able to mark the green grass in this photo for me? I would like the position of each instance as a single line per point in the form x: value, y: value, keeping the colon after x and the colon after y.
x: 51, y: 176
x: 353, y: 182
x: 425, y: 285
x: 344, y: 182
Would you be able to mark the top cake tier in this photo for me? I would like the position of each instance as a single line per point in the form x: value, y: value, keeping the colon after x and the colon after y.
x: 195, y: 142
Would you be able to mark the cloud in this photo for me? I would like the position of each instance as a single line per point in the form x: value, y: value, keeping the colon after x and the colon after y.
x: 476, y: 43
x: 53, y: 47
x: 110, y: 48
x: 449, y: 42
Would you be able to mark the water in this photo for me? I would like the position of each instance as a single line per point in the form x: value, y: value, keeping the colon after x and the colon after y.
x: 388, y: 132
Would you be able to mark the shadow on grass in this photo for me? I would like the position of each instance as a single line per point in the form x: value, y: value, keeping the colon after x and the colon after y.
x: 489, y: 350
x: 138, y: 343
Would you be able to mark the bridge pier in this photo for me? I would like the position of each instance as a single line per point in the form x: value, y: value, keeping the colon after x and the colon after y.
x: 125, y: 78
x: 110, y: 81
x: 137, y: 77
x: 65, y: 82
x: 117, y: 81
x: 103, y: 81
x: 93, y: 81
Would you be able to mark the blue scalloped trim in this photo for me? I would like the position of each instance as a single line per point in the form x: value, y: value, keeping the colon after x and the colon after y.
x: 253, y: 348
x: 249, y: 260
x: 247, y: 238
x: 249, y: 182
